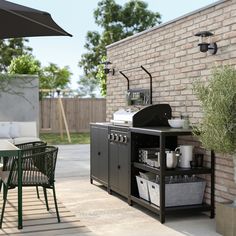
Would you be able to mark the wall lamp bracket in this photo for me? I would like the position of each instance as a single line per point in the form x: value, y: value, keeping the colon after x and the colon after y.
x: 206, y: 43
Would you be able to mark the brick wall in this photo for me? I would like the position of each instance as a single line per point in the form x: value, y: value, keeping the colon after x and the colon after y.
x: 170, y: 53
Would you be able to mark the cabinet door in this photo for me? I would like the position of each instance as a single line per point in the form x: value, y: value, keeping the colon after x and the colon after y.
x: 99, y: 153
x: 114, y: 165
x: 103, y: 154
x: 124, y: 168
x: 94, y: 151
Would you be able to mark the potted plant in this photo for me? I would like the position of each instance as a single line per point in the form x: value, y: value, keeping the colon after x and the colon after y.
x: 217, y: 130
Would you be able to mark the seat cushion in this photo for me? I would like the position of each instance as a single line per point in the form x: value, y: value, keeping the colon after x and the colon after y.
x: 25, y: 140
x: 29, y: 178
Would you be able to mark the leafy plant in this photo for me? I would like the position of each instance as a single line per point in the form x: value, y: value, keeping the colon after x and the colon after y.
x: 25, y: 64
x: 217, y: 130
x: 101, y: 76
x: 54, y: 77
x: 11, y: 48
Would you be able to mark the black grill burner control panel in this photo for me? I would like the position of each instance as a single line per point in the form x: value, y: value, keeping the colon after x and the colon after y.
x: 118, y: 136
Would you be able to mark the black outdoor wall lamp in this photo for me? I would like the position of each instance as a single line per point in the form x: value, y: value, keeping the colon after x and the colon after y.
x: 205, y: 42
x: 108, y: 70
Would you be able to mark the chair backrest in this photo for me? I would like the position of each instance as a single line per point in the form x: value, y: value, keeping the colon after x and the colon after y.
x: 30, y: 145
x: 27, y: 149
x: 35, y: 166
x: 30, y: 148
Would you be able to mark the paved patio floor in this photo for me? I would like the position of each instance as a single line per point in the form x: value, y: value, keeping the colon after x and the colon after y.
x: 110, y: 215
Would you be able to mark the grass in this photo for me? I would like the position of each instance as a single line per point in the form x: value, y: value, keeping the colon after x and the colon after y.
x: 76, y: 138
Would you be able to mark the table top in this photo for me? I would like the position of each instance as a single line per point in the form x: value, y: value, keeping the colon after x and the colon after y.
x: 7, y: 146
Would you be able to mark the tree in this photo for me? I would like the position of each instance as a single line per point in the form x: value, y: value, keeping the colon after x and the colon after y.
x: 117, y: 22
x: 25, y: 64
x: 53, y: 77
x: 87, y: 87
x: 11, y: 48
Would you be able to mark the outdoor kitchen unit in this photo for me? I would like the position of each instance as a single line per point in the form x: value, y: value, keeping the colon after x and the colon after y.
x: 115, y: 161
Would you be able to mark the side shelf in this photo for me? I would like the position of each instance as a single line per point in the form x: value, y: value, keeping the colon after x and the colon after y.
x: 169, y: 172
x: 163, y: 138
x: 156, y: 209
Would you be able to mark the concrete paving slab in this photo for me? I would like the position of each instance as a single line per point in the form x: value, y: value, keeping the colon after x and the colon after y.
x: 109, y: 215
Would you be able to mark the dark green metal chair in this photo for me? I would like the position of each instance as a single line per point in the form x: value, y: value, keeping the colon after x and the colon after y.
x: 31, y: 148
x: 39, y: 170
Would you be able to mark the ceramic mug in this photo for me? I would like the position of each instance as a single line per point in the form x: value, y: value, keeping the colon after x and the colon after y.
x: 186, y: 155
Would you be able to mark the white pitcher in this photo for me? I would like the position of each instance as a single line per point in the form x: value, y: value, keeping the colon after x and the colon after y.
x: 186, y: 155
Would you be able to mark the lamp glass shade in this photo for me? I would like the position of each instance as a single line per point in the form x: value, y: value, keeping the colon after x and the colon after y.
x: 203, y: 47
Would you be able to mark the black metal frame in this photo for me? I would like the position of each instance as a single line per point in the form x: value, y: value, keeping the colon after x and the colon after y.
x: 163, y: 134
x: 135, y: 68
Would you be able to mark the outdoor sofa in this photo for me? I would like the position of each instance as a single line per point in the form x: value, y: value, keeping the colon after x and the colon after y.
x: 19, y: 132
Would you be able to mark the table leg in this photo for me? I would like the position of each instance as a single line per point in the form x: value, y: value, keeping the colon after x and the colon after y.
x: 20, y: 226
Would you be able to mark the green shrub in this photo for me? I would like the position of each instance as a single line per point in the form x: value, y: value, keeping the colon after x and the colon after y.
x: 217, y: 130
x: 25, y: 64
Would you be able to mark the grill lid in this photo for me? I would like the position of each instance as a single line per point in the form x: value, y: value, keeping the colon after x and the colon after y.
x: 153, y: 115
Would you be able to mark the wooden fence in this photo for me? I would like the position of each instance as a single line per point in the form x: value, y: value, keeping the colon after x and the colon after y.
x: 79, y: 113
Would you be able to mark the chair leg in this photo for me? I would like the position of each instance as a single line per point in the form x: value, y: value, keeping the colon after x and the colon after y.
x: 37, y: 190
x: 46, y: 197
x: 55, y: 201
x: 3, y: 207
x: 4, y: 191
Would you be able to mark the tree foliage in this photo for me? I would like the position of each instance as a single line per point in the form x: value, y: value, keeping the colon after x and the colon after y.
x: 11, y: 48
x: 53, y: 77
x: 117, y: 22
x: 217, y: 130
x: 87, y: 87
x: 25, y: 64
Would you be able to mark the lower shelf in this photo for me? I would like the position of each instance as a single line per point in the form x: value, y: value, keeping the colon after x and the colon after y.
x: 156, y: 209
x: 145, y: 204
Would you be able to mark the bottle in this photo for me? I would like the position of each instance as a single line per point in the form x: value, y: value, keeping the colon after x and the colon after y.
x: 185, y: 117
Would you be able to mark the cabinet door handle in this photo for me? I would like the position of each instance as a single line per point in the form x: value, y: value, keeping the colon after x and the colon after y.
x: 118, y: 166
x: 99, y: 153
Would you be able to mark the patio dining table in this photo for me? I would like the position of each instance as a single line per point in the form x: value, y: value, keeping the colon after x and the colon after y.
x: 9, y: 150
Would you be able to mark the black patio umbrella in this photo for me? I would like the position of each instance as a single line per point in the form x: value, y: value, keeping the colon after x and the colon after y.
x: 18, y: 21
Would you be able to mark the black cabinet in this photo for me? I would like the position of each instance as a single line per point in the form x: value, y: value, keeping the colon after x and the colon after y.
x: 118, y: 168
x: 99, y: 154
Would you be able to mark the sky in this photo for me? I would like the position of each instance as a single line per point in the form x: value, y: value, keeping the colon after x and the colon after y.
x: 76, y: 17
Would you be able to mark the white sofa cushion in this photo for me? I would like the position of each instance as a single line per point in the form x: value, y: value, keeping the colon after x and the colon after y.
x: 19, y: 132
x: 14, y: 130
x: 25, y: 140
x: 5, y: 130
x: 27, y: 129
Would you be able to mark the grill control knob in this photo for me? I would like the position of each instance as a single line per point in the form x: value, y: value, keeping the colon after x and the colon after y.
x: 112, y: 137
x: 117, y: 138
x: 121, y: 138
x: 125, y: 139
